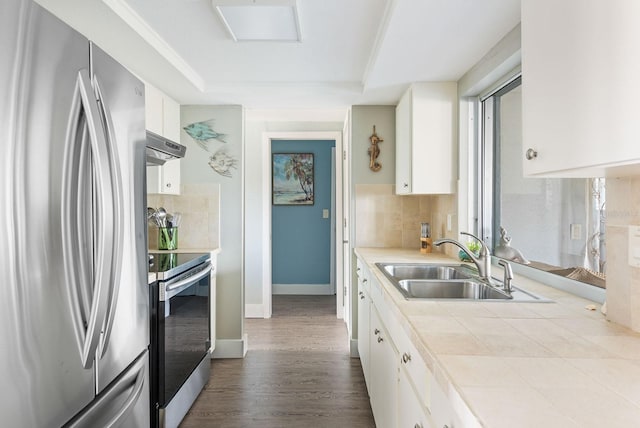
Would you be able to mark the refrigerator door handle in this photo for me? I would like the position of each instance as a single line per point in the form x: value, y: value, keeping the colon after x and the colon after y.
x: 85, y: 118
x: 117, y: 214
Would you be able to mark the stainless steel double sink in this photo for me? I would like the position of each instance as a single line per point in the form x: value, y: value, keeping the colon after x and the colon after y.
x: 436, y: 281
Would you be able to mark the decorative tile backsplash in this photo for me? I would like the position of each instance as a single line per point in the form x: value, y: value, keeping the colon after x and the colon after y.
x: 384, y: 219
x: 200, y: 208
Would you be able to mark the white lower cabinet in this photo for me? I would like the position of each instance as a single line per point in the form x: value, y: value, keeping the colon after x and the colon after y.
x: 384, y: 374
x: 442, y: 412
x: 363, y: 324
x: 411, y: 414
x: 402, y: 390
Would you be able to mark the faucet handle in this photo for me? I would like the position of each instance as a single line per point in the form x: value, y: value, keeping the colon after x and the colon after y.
x: 508, y: 275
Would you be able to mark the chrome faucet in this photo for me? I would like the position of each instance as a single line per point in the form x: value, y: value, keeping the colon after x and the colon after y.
x: 482, y: 262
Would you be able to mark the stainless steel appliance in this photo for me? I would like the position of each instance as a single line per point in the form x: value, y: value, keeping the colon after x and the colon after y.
x: 74, y: 313
x: 161, y: 149
x: 180, y: 333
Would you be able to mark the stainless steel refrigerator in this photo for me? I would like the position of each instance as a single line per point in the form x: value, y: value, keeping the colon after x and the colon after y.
x: 74, y: 307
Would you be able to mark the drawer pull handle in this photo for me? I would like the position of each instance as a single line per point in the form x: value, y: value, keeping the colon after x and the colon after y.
x: 418, y: 425
x: 406, y: 358
x: 380, y: 339
x: 361, y: 296
x: 364, y: 280
x: 376, y: 332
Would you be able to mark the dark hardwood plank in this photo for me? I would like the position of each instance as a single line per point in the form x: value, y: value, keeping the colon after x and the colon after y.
x: 297, y: 372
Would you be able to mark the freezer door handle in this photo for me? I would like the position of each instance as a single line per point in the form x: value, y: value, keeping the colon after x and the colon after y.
x: 116, y: 216
x: 131, y: 400
x: 88, y: 273
x: 113, y: 406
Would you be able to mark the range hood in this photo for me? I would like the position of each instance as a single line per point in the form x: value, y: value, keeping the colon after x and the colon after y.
x: 160, y: 149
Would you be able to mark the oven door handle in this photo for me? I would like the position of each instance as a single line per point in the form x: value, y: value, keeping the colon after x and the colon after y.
x: 178, y: 286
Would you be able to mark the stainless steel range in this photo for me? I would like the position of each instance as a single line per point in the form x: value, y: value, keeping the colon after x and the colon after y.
x: 180, y: 333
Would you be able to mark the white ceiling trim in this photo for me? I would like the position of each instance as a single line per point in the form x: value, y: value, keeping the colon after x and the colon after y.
x: 140, y: 26
x: 381, y: 34
x: 296, y: 115
x: 350, y: 87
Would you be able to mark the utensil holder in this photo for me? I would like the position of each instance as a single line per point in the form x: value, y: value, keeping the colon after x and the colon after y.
x: 167, y: 238
x: 426, y: 244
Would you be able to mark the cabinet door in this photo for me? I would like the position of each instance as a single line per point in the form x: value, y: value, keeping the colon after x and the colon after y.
x: 171, y: 119
x: 153, y: 109
x: 163, y: 118
x: 403, y: 145
x: 442, y: 413
x: 426, y: 139
x: 410, y: 412
x: 434, y: 120
x: 170, y: 180
x: 364, y: 330
x: 384, y: 374
x: 580, y: 86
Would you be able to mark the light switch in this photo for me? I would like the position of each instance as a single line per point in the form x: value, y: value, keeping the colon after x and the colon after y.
x: 575, y: 230
x: 325, y: 213
x: 634, y: 246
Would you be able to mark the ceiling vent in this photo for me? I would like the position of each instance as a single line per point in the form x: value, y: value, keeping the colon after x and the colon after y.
x: 260, y: 20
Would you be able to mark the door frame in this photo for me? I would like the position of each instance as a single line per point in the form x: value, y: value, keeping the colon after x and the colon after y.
x: 267, y: 138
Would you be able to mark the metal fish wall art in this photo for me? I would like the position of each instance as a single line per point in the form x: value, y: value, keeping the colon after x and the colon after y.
x: 208, y: 139
x: 222, y: 163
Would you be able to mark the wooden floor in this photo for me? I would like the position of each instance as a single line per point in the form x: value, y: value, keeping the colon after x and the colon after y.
x: 297, y: 373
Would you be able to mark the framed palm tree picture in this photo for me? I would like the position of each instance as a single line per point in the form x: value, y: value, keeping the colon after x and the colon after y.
x: 292, y: 179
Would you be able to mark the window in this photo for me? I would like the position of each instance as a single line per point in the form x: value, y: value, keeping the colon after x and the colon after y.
x: 551, y: 224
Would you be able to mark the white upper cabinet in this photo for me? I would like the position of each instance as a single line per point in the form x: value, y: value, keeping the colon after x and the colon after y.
x: 426, y: 139
x: 162, y: 116
x: 580, y: 85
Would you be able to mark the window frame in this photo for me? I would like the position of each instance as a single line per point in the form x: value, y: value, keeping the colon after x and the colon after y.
x: 484, y: 189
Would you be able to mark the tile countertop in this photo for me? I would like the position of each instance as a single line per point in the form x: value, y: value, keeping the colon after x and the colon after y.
x: 505, y: 364
x: 188, y: 250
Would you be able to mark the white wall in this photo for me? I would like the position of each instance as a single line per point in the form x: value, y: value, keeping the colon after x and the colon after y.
x: 195, y: 169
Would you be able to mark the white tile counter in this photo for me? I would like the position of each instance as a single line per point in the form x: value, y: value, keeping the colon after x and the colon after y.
x: 507, y: 364
x: 188, y: 250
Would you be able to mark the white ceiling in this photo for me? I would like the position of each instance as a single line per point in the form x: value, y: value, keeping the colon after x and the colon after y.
x: 352, y: 52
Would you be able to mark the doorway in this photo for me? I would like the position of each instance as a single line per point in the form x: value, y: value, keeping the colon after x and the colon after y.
x: 302, y: 217
x: 336, y: 232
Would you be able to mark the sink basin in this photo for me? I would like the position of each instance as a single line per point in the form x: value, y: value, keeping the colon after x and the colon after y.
x: 449, y: 281
x: 450, y: 289
x: 421, y: 271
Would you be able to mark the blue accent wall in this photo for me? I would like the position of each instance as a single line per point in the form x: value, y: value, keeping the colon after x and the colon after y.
x: 301, y: 238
